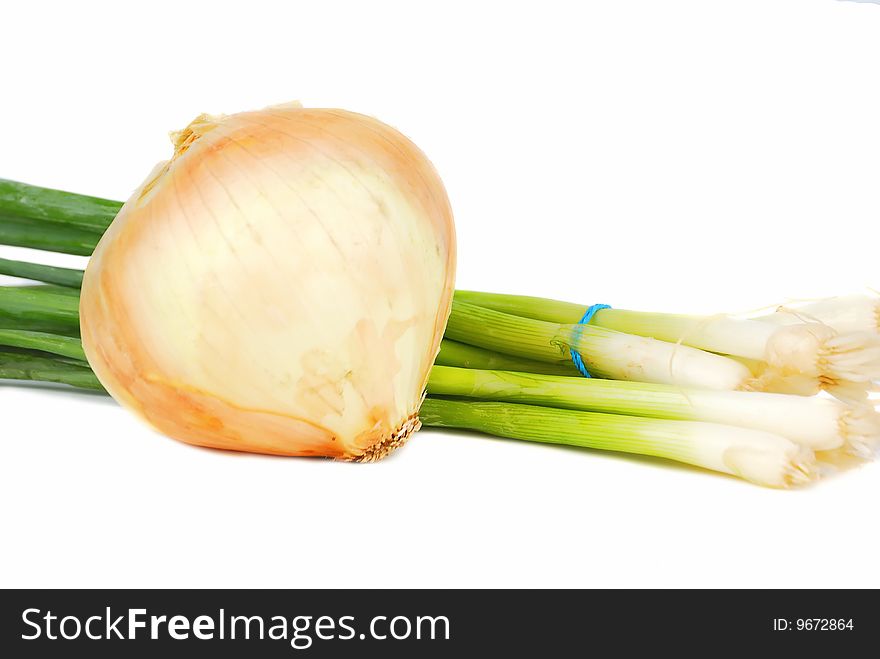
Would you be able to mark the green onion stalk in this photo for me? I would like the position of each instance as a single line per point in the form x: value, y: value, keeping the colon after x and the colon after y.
x: 66, y: 209
x: 25, y: 365
x: 755, y: 455
x: 37, y: 309
x: 55, y: 344
x: 67, y: 278
x: 822, y: 424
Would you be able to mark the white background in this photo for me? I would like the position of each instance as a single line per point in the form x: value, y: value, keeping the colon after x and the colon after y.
x: 694, y: 156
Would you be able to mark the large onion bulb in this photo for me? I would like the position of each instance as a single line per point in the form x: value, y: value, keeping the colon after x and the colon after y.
x: 281, y: 285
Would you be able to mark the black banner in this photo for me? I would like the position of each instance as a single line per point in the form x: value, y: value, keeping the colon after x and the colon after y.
x: 325, y: 623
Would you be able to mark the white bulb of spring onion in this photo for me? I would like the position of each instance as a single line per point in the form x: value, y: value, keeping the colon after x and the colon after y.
x: 757, y: 456
x: 281, y: 286
x: 811, y: 349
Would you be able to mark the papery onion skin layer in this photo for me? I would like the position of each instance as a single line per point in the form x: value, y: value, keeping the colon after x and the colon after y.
x: 280, y: 286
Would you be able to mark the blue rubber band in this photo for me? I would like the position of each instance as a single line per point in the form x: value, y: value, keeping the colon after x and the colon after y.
x: 585, y: 320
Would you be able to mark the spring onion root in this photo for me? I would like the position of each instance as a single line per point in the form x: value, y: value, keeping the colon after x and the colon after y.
x: 846, y: 313
x: 757, y: 456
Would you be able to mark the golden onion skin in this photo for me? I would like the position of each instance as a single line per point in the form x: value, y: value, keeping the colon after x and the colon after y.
x: 280, y: 286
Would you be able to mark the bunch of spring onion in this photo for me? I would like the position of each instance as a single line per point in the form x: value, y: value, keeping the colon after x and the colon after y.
x: 282, y: 283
